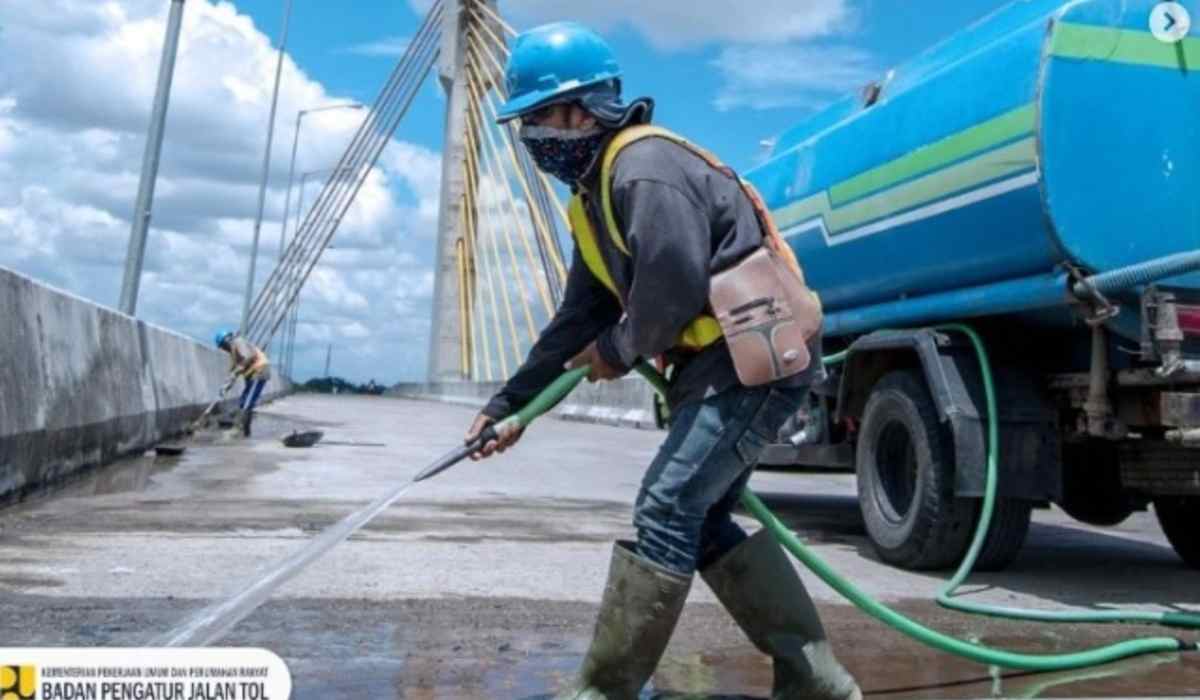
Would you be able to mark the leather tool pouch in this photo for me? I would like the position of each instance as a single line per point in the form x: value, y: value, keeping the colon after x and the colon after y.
x: 767, y: 315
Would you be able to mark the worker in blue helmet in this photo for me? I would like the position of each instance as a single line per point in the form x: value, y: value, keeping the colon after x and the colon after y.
x: 668, y: 242
x: 249, y: 362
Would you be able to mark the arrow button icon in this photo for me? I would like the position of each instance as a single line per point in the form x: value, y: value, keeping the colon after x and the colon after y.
x: 1170, y: 22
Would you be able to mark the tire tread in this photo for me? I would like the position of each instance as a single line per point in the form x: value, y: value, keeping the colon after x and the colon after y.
x: 941, y: 531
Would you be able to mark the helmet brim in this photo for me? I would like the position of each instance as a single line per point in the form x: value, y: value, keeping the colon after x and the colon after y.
x: 531, y: 102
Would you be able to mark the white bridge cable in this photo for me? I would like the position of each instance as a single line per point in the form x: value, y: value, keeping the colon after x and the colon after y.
x: 336, y: 197
x: 351, y: 160
x: 467, y: 290
x: 471, y: 233
x: 552, y: 245
x: 286, y: 274
x: 542, y: 231
x: 314, y: 234
x: 502, y: 177
x: 489, y: 284
x: 495, y: 17
x: 494, y: 247
x: 321, y: 222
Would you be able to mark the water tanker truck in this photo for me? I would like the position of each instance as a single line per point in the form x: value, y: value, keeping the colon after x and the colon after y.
x: 1036, y: 176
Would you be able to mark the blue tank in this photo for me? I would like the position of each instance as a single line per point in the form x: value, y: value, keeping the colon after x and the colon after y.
x: 964, y: 183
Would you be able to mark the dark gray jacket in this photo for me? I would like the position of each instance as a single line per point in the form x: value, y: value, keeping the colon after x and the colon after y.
x: 682, y: 221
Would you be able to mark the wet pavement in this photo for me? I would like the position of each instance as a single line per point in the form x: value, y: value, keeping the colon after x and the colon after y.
x: 483, y: 583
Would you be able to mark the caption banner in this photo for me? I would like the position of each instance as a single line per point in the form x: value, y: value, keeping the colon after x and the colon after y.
x: 143, y: 674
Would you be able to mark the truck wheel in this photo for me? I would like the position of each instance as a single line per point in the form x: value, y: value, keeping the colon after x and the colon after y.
x: 1180, y: 521
x: 1006, y: 534
x: 905, y: 465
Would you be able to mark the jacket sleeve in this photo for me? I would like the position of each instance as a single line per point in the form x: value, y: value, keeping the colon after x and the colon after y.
x: 586, y: 310
x: 668, y: 236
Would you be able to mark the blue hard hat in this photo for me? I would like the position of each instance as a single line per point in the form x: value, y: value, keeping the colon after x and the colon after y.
x: 552, y: 60
x: 221, y: 336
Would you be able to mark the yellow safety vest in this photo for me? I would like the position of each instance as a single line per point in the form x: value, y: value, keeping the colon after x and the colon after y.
x: 256, y: 367
x: 701, y: 331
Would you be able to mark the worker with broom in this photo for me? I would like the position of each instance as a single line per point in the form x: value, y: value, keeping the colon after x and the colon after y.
x: 675, y: 258
x: 250, y: 363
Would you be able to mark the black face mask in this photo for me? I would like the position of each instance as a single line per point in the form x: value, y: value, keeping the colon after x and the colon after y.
x: 564, y: 153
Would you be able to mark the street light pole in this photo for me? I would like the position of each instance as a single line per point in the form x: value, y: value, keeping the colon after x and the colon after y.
x: 145, y: 197
x: 287, y: 200
x: 287, y: 338
x: 266, y: 169
x: 292, y: 339
x: 291, y: 313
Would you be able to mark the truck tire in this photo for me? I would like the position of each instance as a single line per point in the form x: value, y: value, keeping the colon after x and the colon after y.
x: 1006, y: 534
x: 1180, y: 521
x: 905, y: 466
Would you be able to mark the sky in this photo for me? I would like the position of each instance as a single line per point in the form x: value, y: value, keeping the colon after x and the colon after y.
x: 77, y: 81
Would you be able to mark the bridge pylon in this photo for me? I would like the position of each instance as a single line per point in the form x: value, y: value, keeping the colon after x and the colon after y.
x: 450, y: 337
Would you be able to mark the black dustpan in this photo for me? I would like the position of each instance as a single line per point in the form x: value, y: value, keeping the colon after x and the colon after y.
x: 306, y: 438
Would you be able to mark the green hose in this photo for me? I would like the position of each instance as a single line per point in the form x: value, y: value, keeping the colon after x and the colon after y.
x: 938, y: 640
x: 944, y: 596
x: 547, y: 399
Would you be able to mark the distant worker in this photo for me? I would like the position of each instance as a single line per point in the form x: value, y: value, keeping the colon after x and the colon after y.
x: 250, y: 363
x: 674, y: 258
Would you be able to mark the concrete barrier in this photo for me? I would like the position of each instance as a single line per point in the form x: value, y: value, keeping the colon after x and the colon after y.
x: 81, y: 384
x: 626, y: 402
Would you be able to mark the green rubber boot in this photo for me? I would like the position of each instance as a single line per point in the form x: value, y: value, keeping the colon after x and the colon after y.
x: 638, y: 612
x: 756, y: 583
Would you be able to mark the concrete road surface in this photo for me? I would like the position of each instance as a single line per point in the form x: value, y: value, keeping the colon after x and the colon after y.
x: 483, y: 583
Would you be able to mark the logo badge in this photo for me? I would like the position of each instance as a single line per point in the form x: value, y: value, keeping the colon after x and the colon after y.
x: 18, y: 682
x: 1170, y: 22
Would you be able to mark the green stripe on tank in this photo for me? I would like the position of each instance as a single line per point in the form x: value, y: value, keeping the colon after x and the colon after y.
x: 928, y: 158
x: 1129, y: 46
x: 995, y: 164
x: 928, y: 164
x: 803, y: 210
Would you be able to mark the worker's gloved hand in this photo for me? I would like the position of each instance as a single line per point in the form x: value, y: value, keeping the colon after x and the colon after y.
x: 600, y: 370
x: 501, y: 444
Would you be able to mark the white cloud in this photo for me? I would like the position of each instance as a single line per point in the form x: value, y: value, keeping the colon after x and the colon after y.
x: 767, y: 56
x: 678, y: 25
x: 804, y: 76
x: 76, y: 87
x: 387, y: 47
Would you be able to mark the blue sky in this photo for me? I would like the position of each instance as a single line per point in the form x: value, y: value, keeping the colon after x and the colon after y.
x: 723, y: 73
x: 683, y: 81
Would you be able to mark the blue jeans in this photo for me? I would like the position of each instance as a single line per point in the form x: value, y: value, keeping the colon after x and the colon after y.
x: 250, y: 393
x: 684, y: 511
